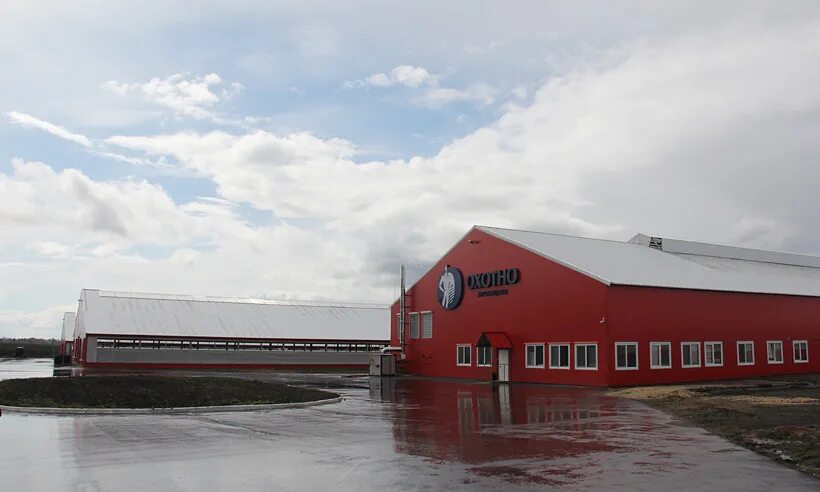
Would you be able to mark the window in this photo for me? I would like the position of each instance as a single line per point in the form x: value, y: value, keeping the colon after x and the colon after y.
x: 660, y: 355
x: 535, y: 355
x: 690, y: 354
x: 774, y: 352
x: 745, y: 353
x: 414, y: 325
x: 800, y: 349
x: 484, y: 356
x: 626, y: 356
x: 586, y: 356
x: 713, y: 354
x: 427, y: 325
x: 559, y: 356
x: 463, y: 355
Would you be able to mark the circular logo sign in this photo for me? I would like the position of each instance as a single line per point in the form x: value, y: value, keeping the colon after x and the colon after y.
x: 450, y: 287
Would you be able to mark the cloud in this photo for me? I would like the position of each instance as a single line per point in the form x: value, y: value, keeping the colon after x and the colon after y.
x: 193, y: 97
x: 519, y: 92
x: 481, y: 49
x: 653, y: 139
x: 51, y: 211
x: 687, y: 137
x: 433, y: 96
x: 91, y: 147
x: 50, y: 249
x: 439, y: 96
x: 406, y: 75
x: 46, y: 323
x: 29, y: 121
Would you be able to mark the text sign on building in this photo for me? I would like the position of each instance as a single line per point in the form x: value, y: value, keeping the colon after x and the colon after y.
x: 451, y: 284
x: 498, y: 278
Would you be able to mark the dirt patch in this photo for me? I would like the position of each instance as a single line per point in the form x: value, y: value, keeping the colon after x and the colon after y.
x: 778, y: 417
x: 149, y: 392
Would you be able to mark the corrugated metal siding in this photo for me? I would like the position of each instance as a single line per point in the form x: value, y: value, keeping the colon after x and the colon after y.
x: 625, y: 263
x: 108, y: 313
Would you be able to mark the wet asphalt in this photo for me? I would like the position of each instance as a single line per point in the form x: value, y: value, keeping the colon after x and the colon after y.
x: 388, y: 434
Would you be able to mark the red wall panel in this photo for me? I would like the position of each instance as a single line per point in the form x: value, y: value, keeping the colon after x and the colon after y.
x: 550, y: 303
x: 647, y: 315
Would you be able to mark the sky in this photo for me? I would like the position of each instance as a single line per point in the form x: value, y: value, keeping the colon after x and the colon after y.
x: 305, y: 149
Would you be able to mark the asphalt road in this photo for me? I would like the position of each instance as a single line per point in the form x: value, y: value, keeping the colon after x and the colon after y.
x: 403, y: 435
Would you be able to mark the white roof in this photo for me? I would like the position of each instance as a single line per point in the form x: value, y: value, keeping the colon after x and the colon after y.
x: 651, y: 261
x: 68, y: 326
x: 126, y: 313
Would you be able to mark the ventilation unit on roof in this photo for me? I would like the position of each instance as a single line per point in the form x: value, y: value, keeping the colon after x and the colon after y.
x: 656, y: 242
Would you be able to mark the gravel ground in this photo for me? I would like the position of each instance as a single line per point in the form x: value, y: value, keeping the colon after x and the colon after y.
x: 777, y: 417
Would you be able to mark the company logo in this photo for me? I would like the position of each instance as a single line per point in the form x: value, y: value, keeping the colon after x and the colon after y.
x: 450, y: 288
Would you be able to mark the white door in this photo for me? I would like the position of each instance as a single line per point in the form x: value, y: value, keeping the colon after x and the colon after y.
x: 503, y: 365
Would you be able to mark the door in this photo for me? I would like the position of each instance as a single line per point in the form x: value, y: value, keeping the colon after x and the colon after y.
x: 503, y: 365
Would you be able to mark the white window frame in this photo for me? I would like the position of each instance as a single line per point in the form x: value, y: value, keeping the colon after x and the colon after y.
x: 584, y: 345
x: 526, y: 354
x: 700, y: 354
x: 652, y: 345
x: 706, y: 363
x: 489, y: 362
x: 794, y: 351
x: 782, y: 355
x: 469, y: 352
x: 637, y: 356
x: 737, y: 352
x: 569, y: 355
x: 421, y: 324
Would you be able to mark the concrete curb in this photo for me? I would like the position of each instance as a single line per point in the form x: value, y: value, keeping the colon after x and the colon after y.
x: 165, y: 411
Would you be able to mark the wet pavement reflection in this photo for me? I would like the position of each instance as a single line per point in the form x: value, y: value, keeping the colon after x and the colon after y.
x: 397, y: 434
x: 25, y: 368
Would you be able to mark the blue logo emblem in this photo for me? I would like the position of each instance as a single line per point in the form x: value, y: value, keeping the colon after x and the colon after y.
x: 450, y: 288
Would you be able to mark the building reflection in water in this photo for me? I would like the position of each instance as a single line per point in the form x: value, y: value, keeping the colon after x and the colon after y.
x: 477, y: 423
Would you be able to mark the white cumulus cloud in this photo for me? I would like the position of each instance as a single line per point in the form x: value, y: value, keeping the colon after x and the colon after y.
x: 406, y: 75
x: 433, y: 95
x: 653, y: 141
x: 193, y: 97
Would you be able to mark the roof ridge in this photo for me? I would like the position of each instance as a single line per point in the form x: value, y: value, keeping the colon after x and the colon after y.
x: 721, y: 245
x: 555, y: 234
x: 724, y: 245
x: 239, y: 300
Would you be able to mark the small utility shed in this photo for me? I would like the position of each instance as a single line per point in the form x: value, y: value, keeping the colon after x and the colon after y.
x: 126, y: 329
x: 526, y: 306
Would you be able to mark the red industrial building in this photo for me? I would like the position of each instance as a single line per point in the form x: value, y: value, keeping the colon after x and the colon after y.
x: 523, y: 306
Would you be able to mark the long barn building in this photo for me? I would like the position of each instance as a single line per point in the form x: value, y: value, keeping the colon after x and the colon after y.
x: 512, y: 305
x: 124, y: 329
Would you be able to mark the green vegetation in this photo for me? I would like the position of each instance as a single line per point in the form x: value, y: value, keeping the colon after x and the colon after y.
x: 34, y: 347
x: 149, y: 392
